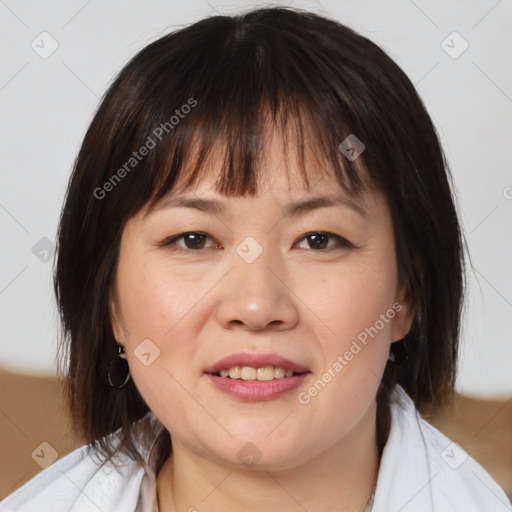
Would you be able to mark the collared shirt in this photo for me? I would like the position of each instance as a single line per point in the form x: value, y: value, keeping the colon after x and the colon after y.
x: 421, y: 470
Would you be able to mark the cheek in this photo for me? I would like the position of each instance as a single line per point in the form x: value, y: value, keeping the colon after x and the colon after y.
x: 166, y: 306
x: 156, y: 305
x: 356, y: 307
x: 154, y: 299
x: 351, y: 300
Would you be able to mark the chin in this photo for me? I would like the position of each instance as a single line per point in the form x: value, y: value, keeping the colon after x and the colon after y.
x: 258, y: 452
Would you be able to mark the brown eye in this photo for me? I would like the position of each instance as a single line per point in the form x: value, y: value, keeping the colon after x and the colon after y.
x: 319, y: 241
x: 192, y: 240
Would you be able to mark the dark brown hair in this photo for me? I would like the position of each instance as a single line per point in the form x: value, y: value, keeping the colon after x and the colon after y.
x: 218, y: 84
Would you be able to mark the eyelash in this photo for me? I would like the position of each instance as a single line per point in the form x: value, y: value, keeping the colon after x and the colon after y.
x: 342, y: 242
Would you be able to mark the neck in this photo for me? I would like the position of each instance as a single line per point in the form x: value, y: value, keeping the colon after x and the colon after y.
x: 341, y: 478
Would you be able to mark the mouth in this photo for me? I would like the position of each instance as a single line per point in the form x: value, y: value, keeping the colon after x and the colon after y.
x: 256, y: 376
x: 262, y: 367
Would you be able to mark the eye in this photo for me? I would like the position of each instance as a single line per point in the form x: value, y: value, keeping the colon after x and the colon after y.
x: 192, y: 239
x: 318, y: 239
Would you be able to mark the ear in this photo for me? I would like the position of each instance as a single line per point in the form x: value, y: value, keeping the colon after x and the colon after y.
x: 405, y: 313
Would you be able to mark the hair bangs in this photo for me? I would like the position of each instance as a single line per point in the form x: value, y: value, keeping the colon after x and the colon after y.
x: 235, y: 151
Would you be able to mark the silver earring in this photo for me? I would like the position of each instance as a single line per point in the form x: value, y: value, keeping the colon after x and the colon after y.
x: 118, y: 370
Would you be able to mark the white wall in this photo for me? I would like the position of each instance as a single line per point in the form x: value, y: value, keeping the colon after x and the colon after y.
x: 46, y: 105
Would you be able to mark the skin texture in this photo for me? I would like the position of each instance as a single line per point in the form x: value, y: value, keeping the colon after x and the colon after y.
x: 304, y: 303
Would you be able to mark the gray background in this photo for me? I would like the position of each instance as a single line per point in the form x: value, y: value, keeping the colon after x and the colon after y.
x: 47, y: 103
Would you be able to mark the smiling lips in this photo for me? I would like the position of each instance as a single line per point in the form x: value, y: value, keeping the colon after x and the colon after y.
x: 256, y: 376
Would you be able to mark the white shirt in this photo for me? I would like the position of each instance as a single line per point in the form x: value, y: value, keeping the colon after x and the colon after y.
x: 421, y: 470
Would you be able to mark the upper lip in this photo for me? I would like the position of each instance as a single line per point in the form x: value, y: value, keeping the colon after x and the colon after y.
x: 255, y: 361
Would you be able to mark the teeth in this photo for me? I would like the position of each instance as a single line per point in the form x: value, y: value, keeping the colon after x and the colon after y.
x: 267, y: 373
x: 235, y: 372
x: 279, y: 373
x: 251, y: 373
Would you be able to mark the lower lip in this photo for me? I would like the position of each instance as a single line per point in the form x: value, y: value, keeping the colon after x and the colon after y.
x: 256, y: 390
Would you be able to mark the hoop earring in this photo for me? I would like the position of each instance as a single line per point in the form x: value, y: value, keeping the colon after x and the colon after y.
x: 399, y: 352
x: 118, y: 373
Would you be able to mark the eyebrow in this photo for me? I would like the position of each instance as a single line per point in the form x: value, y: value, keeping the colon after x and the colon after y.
x: 292, y: 209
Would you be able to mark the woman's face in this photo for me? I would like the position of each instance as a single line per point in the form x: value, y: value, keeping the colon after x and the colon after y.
x: 252, y: 279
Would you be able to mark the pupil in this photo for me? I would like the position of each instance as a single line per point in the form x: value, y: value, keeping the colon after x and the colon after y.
x: 190, y: 238
x: 317, y: 239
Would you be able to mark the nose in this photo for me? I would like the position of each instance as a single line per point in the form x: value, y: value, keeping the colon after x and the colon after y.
x: 255, y: 296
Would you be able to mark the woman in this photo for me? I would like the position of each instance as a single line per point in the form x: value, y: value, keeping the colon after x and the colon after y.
x: 260, y: 278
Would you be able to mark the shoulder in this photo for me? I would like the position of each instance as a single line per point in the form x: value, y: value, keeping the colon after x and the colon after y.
x: 423, y: 470
x: 79, y: 481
